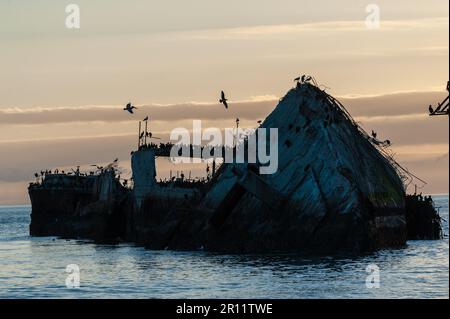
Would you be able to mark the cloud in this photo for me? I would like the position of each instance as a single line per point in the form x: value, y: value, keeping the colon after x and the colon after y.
x: 256, y: 108
x: 318, y: 27
x: 391, y: 107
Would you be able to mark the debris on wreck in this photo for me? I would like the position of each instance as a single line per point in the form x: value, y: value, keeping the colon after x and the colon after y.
x: 337, y: 189
x: 441, y: 108
x: 422, y: 219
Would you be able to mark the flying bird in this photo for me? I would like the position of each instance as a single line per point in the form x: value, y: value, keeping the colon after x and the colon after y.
x: 224, y: 100
x: 130, y: 108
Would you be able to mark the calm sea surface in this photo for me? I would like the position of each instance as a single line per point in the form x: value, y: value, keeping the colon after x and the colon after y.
x: 36, y: 268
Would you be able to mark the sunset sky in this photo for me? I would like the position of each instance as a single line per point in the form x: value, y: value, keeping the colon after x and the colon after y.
x: 62, y: 90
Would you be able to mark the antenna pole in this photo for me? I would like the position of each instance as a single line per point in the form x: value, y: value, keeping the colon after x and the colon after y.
x: 139, y: 136
x: 145, y: 136
x: 237, y: 133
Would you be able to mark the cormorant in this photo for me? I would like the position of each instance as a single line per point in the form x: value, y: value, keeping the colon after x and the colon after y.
x: 224, y: 100
x: 129, y: 108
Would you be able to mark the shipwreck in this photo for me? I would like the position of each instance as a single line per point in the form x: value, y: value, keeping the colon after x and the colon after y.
x: 336, y: 189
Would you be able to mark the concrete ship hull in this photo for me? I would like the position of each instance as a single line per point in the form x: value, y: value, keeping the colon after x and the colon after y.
x: 61, y: 208
x: 334, y: 192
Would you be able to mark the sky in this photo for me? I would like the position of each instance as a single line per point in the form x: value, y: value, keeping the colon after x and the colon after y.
x: 62, y: 90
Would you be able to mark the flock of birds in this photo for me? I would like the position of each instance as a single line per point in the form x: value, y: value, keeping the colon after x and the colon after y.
x: 223, y: 99
x: 130, y: 108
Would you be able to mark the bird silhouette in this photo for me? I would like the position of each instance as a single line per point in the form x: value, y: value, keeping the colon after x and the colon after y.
x: 146, y: 119
x: 297, y: 79
x: 430, y: 109
x: 130, y: 108
x: 223, y: 100
x: 374, y: 134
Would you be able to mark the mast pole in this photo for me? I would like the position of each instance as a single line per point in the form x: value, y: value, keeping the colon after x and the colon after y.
x: 145, y: 135
x: 139, y: 136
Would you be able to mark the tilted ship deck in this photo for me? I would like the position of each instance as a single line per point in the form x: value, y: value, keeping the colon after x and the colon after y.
x: 336, y: 190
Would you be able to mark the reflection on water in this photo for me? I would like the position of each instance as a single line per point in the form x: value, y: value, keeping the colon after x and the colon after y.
x: 35, y: 268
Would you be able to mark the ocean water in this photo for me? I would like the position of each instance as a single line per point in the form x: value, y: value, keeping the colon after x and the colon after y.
x: 36, y: 268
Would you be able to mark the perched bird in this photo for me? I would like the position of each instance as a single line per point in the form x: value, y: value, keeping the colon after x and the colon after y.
x: 430, y: 109
x: 146, y: 119
x: 297, y: 79
x: 259, y: 122
x: 116, y: 160
x: 223, y: 100
x: 130, y: 108
x: 374, y: 134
